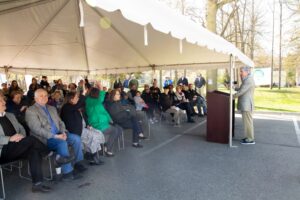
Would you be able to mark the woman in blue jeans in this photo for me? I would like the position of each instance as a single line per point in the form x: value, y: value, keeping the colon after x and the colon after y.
x: 125, y: 116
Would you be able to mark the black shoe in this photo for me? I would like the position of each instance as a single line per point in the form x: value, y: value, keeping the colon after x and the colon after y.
x: 64, y: 160
x: 88, y: 156
x: 96, y: 160
x: 191, y: 121
x: 138, y: 145
x: 70, y: 177
x: 142, y: 137
x: 41, y: 188
x: 79, y: 167
x: 200, y: 115
x: 101, y: 152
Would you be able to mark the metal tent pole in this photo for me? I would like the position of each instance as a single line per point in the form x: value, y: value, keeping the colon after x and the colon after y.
x: 232, y: 66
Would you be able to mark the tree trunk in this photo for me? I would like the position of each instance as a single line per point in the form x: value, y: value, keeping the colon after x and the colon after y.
x: 280, y: 43
x: 252, y: 31
x: 211, y: 17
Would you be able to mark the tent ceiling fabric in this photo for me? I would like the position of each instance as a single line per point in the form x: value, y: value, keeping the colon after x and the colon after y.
x: 47, y: 36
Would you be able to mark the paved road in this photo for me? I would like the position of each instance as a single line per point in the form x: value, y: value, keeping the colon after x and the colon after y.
x: 178, y: 163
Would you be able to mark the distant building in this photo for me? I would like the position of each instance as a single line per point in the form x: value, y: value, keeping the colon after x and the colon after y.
x: 262, y: 77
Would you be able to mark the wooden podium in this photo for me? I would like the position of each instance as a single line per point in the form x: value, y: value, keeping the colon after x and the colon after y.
x: 218, y: 109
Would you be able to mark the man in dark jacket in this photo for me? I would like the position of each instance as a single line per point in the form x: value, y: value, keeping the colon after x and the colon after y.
x: 196, y: 99
x: 166, y: 102
x: 183, y: 81
x: 15, y: 146
x: 44, y: 82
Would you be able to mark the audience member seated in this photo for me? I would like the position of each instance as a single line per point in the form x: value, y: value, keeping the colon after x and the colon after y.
x: 32, y: 88
x: 56, y: 100
x: 72, y: 87
x: 140, y: 105
x: 15, y: 146
x: 17, y: 105
x: 124, y: 96
x: 99, y: 118
x: 4, y: 89
x: 139, y: 102
x: 166, y: 103
x: 80, y: 87
x: 155, y: 91
x: 14, y: 87
x: 75, y: 123
x: 181, y: 102
x: 44, y: 82
x: 117, y: 83
x: 46, y: 125
x: 59, y: 86
x: 125, y: 116
x: 131, y: 94
x: 147, y: 97
x: 196, y: 99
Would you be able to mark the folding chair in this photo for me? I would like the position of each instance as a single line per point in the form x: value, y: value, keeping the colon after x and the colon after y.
x: 17, y: 164
x: 121, y: 141
x: 142, y: 115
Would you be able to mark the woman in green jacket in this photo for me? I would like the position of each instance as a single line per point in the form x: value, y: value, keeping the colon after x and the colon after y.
x: 99, y: 118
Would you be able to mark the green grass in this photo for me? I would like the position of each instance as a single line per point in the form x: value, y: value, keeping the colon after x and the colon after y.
x: 283, y: 100
x: 275, y: 100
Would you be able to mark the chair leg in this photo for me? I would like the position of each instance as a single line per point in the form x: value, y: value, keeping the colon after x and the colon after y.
x: 50, y: 170
x: 149, y: 129
x: 8, y: 168
x: 119, y: 146
x: 20, y: 171
x: 2, y: 183
x: 121, y: 141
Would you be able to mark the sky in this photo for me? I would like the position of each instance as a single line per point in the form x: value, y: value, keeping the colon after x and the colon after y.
x: 266, y: 7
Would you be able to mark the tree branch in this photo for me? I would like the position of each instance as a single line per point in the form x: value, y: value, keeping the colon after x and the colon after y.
x: 223, y: 2
x: 227, y: 22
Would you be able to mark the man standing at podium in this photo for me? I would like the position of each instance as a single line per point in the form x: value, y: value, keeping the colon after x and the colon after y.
x: 246, y: 104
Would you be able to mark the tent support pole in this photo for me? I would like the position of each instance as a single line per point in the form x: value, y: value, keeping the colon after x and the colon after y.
x: 232, y: 66
x: 160, y: 78
x: 82, y: 33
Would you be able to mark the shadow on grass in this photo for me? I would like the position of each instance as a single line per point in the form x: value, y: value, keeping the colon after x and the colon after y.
x: 272, y: 109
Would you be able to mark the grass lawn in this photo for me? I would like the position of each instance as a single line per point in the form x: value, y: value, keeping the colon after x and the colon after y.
x: 283, y: 100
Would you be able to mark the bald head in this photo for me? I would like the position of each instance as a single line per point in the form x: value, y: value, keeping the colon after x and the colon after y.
x: 41, y: 97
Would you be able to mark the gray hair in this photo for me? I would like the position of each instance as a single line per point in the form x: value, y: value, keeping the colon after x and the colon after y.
x: 39, y: 91
x: 246, y: 69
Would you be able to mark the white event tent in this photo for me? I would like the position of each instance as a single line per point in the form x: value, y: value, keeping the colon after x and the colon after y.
x: 77, y: 37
